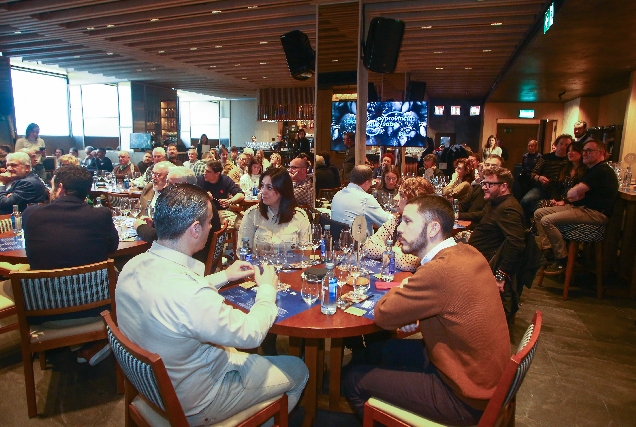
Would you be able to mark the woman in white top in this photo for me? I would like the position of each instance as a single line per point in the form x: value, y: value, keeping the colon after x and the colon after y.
x: 251, y: 180
x: 491, y: 147
x: 276, y: 218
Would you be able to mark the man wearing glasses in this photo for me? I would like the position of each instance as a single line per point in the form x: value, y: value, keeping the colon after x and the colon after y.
x: 303, y: 183
x: 502, y: 227
x: 588, y: 202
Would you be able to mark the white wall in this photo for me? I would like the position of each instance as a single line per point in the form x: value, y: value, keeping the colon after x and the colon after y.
x: 243, y: 124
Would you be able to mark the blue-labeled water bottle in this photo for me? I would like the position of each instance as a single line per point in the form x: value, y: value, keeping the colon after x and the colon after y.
x: 329, y: 291
x: 325, y: 243
x: 245, y: 253
x: 126, y: 182
x: 388, y: 262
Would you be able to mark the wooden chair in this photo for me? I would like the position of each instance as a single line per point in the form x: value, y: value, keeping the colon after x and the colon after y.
x: 151, y: 399
x: 336, y: 227
x: 54, y: 292
x: 215, y: 254
x: 501, y: 407
x: 328, y: 193
x: 575, y: 234
x: 7, y: 309
x: 5, y: 223
x: 112, y: 200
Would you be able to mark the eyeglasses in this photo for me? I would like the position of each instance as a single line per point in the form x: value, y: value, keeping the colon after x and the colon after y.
x: 294, y: 167
x: 589, y: 150
x: 491, y: 184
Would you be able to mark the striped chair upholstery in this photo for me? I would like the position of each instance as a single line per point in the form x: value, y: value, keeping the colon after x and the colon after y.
x: 217, y: 245
x: 5, y: 225
x: 501, y: 407
x: 582, y: 232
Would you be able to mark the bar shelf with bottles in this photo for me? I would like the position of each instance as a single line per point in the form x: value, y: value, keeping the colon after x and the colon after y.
x: 169, y: 119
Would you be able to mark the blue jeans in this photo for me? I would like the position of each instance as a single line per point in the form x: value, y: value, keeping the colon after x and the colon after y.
x: 531, y: 198
x: 258, y: 379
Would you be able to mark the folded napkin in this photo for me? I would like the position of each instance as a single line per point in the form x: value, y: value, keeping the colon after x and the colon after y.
x: 383, y: 286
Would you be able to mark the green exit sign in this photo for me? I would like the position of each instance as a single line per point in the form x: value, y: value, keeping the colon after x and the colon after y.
x: 548, y: 18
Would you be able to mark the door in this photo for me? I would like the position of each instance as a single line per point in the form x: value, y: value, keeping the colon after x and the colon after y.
x: 514, y: 138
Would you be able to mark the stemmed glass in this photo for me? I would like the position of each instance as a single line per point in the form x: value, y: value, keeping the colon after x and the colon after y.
x: 125, y: 206
x: 310, y: 288
x: 346, y: 241
x: 279, y: 259
x: 316, y: 237
x: 135, y: 208
x: 304, y: 243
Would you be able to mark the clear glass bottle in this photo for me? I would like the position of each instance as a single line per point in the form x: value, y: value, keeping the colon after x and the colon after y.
x: 388, y: 262
x: 16, y: 220
x: 245, y: 253
x: 329, y: 291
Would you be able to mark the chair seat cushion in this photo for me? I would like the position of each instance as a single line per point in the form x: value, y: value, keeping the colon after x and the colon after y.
x: 582, y: 232
x: 53, y: 330
x: 403, y: 415
x: 5, y: 302
x: 157, y: 420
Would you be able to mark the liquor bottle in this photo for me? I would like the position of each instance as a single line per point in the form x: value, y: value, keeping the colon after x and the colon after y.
x: 245, y: 253
x: 388, y: 262
x: 329, y: 292
x: 325, y: 243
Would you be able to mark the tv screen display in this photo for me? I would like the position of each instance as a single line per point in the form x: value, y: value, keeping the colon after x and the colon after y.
x: 140, y: 141
x: 389, y: 124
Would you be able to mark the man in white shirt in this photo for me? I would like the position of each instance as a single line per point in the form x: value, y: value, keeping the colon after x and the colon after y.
x: 353, y: 200
x: 166, y: 306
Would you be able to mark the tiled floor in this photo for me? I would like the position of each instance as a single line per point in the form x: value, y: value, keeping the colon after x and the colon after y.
x: 584, y: 372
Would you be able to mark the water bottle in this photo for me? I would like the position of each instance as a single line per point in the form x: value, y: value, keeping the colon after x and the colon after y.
x: 16, y: 220
x: 255, y: 192
x: 329, y: 292
x: 126, y: 182
x: 245, y: 253
x: 325, y: 243
x: 388, y: 262
x: 627, y: 178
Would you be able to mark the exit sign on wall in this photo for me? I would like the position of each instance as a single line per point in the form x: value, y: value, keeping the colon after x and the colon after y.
x: 548, y: 18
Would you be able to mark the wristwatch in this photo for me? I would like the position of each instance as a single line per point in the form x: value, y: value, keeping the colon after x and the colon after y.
x: 500, y: 276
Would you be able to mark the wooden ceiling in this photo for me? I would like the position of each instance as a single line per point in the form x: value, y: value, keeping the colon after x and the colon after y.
x: 231, y: 48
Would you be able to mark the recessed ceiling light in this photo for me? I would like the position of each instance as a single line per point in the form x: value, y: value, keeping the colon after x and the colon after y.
x: 252, y: 7
x: 76, y: 56
x: 263, y: 42
x: 263, y: 63
x: 497, y: 23
x: 426, y: 27
x: 110, y: 25
x: 212, y: 66
x: 154, y: 19
x: 193, y: 48
x: 218, y: 46
x: 438, y: 52
x: 162, y: 51
x: 152, y: 69
x: 109, y: 53
x: 334, y: 60
x: 139, y: 69
x: 487, y: 50
x: 243, y: 78
x: 264, y: 77
x: 439, y: 68
x: 90, y: 28
x: 468, y: 68
x: 236, y: 65
x: 214, y: 12
x: 17, y: 32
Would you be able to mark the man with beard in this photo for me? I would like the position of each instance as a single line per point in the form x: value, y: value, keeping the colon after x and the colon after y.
x: 450, y: 375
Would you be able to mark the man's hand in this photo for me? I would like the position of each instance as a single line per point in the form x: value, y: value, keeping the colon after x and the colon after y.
x: 543, y: 179
x: 500, y: 285
x: 224, y: 203
x: 5, y: 178
x: 239, y: 270
x: 268, y: 276
x: 413, y: 327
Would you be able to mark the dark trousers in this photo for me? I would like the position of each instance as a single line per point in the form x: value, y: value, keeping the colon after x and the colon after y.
x: 407, y: 379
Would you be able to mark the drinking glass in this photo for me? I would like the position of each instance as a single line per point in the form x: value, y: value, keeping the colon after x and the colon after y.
x: 279, y: 259
x: 150, y: 211
x: 316, y: 237
x: 135, y: 208
x: 361, y: 281
x: 125, y: 206
x: 346, y: 241
x: 310, y: 288
x: 304, y: 243
x: 341, y: 272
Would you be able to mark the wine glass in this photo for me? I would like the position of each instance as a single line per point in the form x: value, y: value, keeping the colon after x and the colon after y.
x: 135, y: 208
x: 279, y: 259
x: 361, y: 281
x: 346, y: 241
x: 310, y: 288
x: 316, y: 238
x: 341, y: 271
x: 125, y: 206
x: 304, y: 243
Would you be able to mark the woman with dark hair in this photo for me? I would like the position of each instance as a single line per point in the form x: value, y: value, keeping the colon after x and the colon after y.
x: 490, y: 147
x: 33, y: 141
x: 202, y: 141
x: 460, y: 185
x: 389, y: 184
x: 252, y: 178
x: 570, y: 175
x: 388, y: 159
x: 376, y: 244
x: 275, y: 219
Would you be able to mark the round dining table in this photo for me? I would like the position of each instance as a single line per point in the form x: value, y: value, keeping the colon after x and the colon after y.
x: 309, y: 328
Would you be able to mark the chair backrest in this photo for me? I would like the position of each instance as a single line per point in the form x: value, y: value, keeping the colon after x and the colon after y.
x: 5, y: 223
x: 114, y: 200
x: 215, y: 254
x: 328, y: 193
x: 146, y: 373
x: 513, y: 374
x: 66, y: 290
x: 336, y: 227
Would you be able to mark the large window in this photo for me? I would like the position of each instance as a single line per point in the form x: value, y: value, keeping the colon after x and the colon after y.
x: 100, y: 105
x: 40, y: 98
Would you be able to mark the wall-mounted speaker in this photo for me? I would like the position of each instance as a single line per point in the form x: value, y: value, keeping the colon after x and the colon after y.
x: 6, y: 89
x: 383, y: 44
x: 301, y: 58
x: 415, y: 91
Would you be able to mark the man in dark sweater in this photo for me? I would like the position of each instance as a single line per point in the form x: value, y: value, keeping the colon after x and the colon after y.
x: 502, y: 226
x: 588, y: 202
x: 449, y: 375
x: 546, y: 175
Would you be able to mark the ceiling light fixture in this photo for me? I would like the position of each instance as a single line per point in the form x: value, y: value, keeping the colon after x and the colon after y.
x: 154, y: 19
x: 263, y: 42
x: 193, y: 48
x: 152, y: 69
x: 17, y: 32
x: 236, y: 65
x: 487, y: 50
x: 76, y: 56
x: 90, y: 28
x: 162, y: 51
x: 212, y: 66
x: 218, y: 46
x: 439, y: 68
x: 110, y: 25
x: 252, y: 7
x: 468, y: 68
x: 109, y: 53
x: 263, y: 63
x: 427, y: 27
x: 243, y: 78
x: 438, y: 52
x: 334, y: 60
x: 214, y: 12
x: 264, y: 77
x: 496, y: 23
x: 139, y: 69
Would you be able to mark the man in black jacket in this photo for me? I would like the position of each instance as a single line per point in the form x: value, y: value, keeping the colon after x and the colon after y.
x: 475, y: 207
x: 502, y: 227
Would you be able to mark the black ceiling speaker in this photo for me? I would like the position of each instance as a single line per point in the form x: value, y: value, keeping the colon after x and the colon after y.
x: 415, y: 91
x: 301, y: 58
x: 383, y: 44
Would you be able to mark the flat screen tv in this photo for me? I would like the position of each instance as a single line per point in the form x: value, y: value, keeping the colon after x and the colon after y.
x: 140, y: 141
x: 389, y: 124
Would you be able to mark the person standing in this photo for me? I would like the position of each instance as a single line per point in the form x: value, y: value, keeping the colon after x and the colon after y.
x: 490, y: 147
x: 349, y: 140
x: 32, y: 141
x: 450, y: 375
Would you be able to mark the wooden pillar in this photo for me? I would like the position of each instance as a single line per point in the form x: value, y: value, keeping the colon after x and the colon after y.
x: 628, y: 142
x: 363, y: 95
